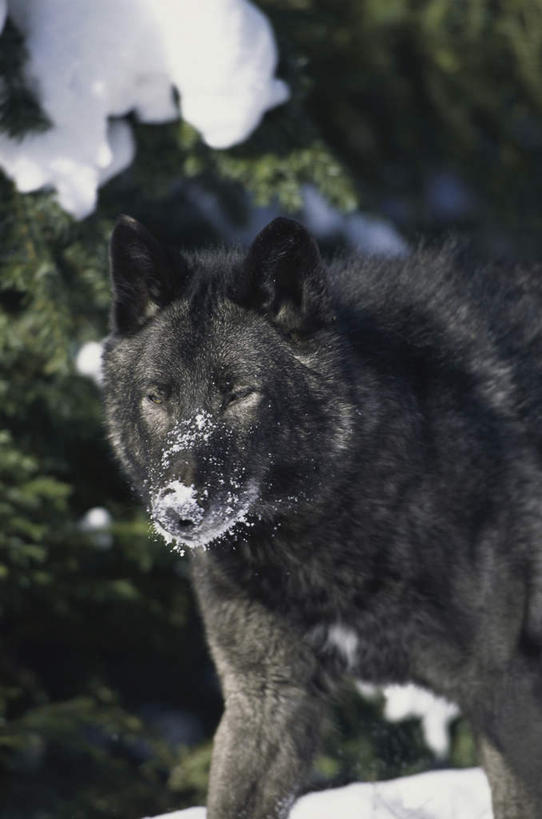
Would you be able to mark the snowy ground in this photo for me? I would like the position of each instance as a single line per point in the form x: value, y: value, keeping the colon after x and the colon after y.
x: 436, y: 795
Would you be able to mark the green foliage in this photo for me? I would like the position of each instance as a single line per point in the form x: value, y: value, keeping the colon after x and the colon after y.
x: 69, y: 760
x: 405, y: 89
x: 90, y: 635
x: 190, y: 774
x: 274, y: 163
x: 463, y: 752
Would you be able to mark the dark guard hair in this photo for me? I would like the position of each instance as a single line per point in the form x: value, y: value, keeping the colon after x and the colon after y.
x: 354, y: 453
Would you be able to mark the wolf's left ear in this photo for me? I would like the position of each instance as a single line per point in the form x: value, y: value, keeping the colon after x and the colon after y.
x: 145, y: 275
x: 284, y: 277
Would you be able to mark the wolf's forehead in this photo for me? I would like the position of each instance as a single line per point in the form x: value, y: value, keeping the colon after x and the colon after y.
x: 190, y: 344
x: 193, y: 323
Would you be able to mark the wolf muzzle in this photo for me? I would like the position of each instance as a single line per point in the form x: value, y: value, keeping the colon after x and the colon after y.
x: 176, y: 509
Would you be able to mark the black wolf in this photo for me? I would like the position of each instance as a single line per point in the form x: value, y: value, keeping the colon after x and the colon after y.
x: 357, y: 454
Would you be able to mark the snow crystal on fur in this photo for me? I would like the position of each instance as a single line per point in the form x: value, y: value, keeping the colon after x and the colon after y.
x: 234, y: 504
x: 186, y: 434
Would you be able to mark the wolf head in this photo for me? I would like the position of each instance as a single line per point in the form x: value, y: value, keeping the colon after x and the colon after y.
x: 220, y: 370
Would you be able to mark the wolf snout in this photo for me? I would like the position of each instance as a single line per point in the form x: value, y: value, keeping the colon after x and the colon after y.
x: 176, y: 508
x: 179, y: 521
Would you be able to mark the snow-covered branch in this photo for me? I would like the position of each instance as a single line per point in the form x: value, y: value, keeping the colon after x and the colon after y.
x: 91, y: 64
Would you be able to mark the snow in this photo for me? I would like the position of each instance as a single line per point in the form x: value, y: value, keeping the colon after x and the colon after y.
x: 186, y: 434
x: 88, y: 361
x: 362, y: 232
x: 448, y: 197
x: 97, y: 523
x: 229, y: 507
x: 189, y: 813
x: 454, y: 794
x: 404, y: 701
x: 179, y: 499
x: 89, y: 63
x: 346, y: 641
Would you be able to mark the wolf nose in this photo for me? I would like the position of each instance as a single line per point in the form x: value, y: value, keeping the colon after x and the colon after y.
x: 179, y: 524
x: 186, y: 523
x: 179, y: 521
x: 176, y: 508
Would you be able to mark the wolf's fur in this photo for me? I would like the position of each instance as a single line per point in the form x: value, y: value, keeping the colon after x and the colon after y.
x: 358, y: 450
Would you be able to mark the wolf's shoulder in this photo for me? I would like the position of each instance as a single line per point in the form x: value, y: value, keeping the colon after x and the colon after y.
x: 435, y: 291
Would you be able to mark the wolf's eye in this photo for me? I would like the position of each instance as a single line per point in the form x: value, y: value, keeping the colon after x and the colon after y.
x: 156, y: 396
x: 240, y: 394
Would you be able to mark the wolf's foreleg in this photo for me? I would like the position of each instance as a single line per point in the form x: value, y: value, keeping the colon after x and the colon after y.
x: 261, y: 753
x: 269, y: 730
x: 511, y: 741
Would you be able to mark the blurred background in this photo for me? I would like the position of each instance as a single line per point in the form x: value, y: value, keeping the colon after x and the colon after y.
x: 376, y: 122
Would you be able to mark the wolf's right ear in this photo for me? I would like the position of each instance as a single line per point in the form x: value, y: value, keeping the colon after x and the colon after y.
x: 145, y: 275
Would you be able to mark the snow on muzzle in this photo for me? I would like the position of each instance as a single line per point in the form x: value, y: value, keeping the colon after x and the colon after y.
x: 192, y: 516
x: 180, y: 518
x: 176, y: 512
